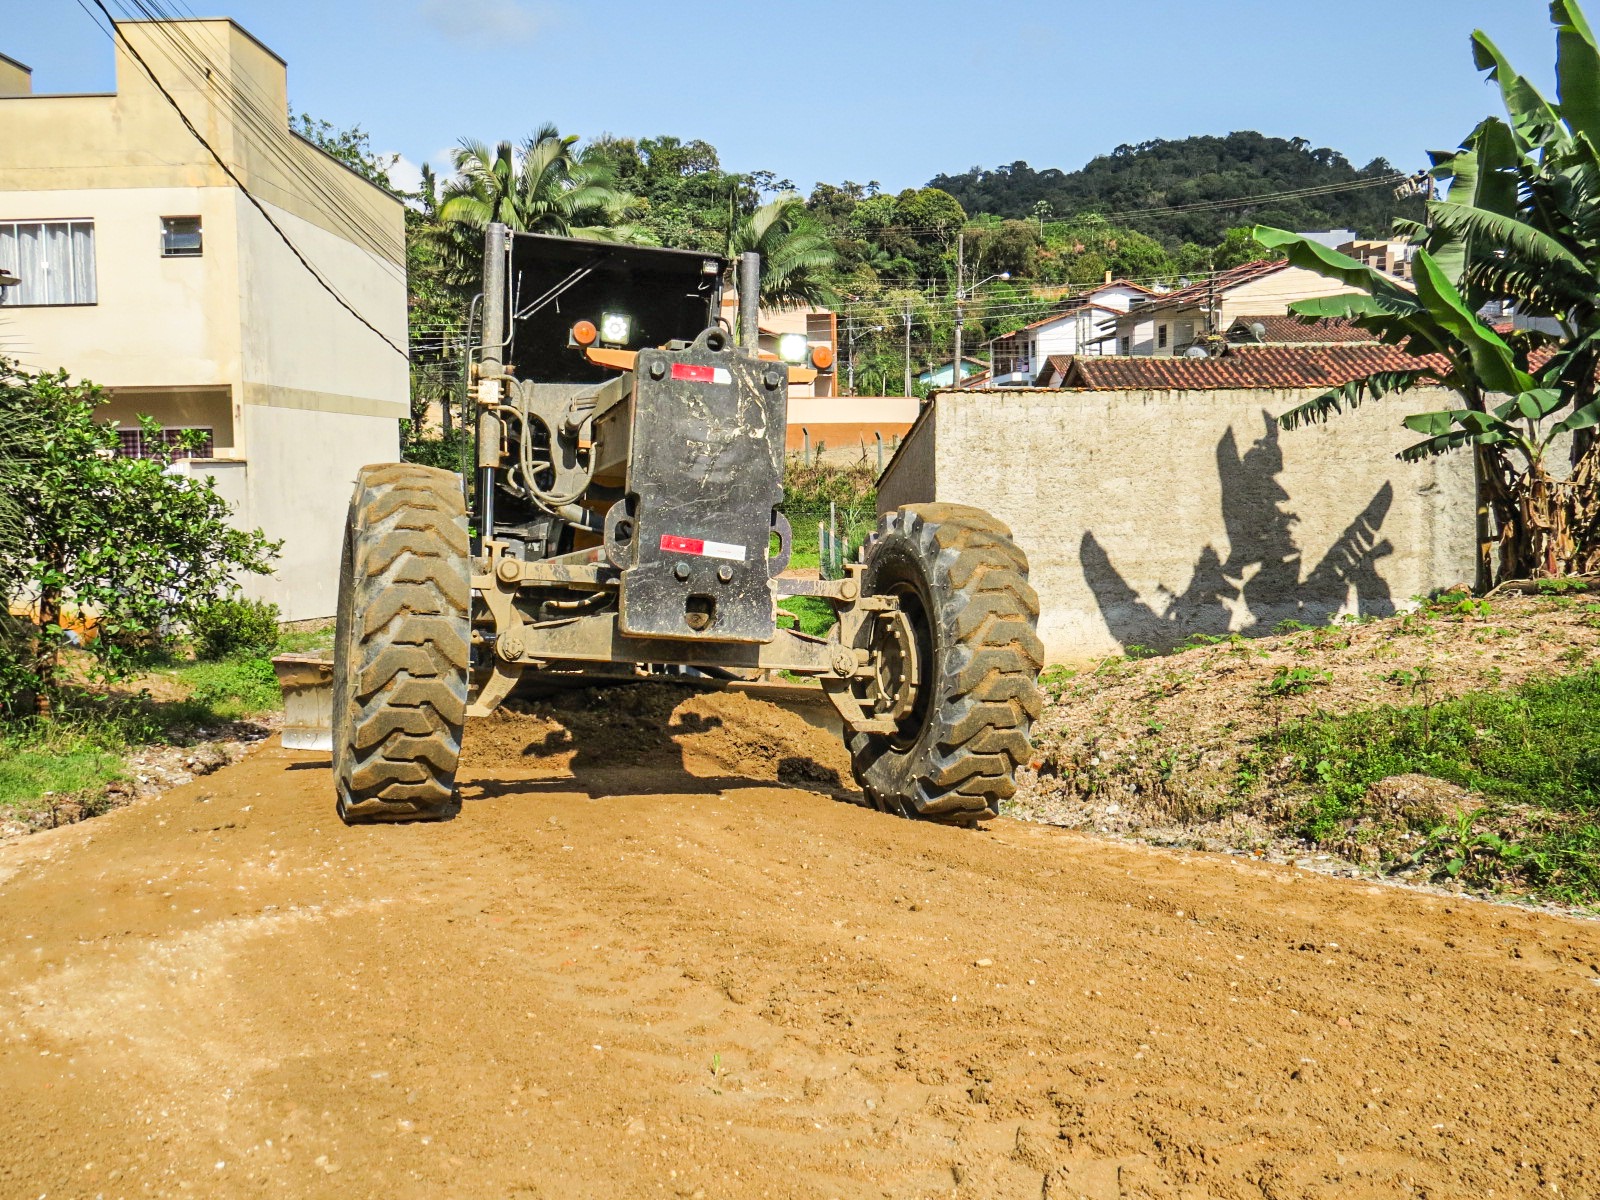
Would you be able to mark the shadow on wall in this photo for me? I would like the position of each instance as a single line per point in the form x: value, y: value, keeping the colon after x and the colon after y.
x: 1261, y: 582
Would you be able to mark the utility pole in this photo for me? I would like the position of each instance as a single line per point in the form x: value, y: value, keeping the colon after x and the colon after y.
x: 850, y: 351
x: 907, y: 392
x: 955, y: 366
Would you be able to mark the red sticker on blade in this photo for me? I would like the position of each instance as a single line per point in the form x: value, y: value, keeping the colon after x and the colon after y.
x: 682, y: 545
x: 695, y: 373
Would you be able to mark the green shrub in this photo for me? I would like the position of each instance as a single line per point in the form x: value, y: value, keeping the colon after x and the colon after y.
x: 236, y: 626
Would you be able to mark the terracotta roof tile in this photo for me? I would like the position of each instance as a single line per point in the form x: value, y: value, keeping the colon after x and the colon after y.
x: 1231, y: 278
x: 1241, y: 367
x: 1285, y: 330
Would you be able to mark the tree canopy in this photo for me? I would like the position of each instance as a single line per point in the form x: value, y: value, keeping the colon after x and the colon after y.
x: 1163, y: 174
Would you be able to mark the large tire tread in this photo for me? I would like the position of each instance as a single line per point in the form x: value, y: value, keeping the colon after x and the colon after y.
x: 401, y: 656
x: 987, y: 695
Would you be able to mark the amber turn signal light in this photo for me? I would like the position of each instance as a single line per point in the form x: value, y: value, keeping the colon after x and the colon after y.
x: 584, y: 333
x: 822, y: 357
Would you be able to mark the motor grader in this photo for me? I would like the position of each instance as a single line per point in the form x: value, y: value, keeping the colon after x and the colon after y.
x: 626, y: 520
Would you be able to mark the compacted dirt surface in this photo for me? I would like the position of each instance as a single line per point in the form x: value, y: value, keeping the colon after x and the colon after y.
x: 662, y: 953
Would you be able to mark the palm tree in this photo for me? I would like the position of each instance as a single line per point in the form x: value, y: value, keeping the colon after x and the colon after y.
x: 539, y: 186
x: 796, y: 254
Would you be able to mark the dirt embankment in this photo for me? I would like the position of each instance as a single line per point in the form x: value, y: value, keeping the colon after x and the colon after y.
x: 639, y: 965
x: 1155, y: 747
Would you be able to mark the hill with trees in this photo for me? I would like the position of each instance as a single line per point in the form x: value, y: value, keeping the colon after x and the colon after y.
x: 1165, y: 175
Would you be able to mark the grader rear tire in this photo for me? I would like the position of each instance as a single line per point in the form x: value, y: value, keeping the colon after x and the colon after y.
x: 963, y: 584
x: 401, y: 646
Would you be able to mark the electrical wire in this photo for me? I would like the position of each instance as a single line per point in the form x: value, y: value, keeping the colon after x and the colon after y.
x: 239, y: 183
x: 250, y: 115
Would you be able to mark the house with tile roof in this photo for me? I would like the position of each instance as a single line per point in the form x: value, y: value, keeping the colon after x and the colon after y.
x: 1173, y: 323
x: 1080, y: 326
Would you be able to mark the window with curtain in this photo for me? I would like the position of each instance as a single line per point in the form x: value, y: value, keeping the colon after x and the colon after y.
x: 53, y: 259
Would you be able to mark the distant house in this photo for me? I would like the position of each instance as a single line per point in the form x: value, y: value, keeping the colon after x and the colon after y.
x: 943, y: 375
x: 1392, y: 256
x: 820, y: 327
x: 1172, y: 323
x: 183, y: 287
x: 1081, y: 327
x: 1244, y: 366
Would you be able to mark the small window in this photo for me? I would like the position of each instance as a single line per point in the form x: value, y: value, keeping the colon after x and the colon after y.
x: 180, y: 237
x: 1127, y: 345
x: 1161, y: 337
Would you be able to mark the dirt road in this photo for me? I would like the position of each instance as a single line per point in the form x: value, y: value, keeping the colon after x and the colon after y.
x: 655, y: 970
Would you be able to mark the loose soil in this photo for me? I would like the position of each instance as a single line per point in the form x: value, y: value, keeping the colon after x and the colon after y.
x: 642, y: 963
x: 1152, y: 748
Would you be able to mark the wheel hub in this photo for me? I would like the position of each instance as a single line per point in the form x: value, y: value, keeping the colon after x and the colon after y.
x: 897, y: 667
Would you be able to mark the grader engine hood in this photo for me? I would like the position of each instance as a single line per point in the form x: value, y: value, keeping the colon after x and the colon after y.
x: 703, y: 483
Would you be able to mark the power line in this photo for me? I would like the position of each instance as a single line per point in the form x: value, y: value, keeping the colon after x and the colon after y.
x: 239, y: 183
x: 250, y: 116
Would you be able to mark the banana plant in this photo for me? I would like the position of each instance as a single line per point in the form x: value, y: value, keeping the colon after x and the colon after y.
x: 1520, y: 221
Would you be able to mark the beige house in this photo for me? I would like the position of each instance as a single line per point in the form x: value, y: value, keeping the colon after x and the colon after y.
x: 144, y: 267
x: 1172, y: 323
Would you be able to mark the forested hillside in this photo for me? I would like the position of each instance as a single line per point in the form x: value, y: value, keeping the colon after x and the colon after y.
x: 1196, y: 170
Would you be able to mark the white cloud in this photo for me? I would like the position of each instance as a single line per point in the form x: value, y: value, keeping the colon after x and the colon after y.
x: 405, y: 175
x: 501, y: 21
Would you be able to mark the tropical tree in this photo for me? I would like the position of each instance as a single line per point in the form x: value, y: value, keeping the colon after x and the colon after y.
x: 538, y: 186
x: 1521, y: 223
x: 797, y: 256
x: 141, y: 550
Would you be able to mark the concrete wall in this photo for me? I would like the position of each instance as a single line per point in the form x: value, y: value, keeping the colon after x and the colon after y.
x: 156, y: 322
x: 911, y: 476
x: 309, y: 517
x: 1148, y: 516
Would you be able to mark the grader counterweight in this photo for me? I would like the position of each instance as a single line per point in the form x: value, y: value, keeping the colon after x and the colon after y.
x: 626, y: 518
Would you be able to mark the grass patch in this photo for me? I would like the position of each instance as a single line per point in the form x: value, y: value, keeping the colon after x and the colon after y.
x: 1533, y: 752
x: 305, y: 641
x: 226, y: 690
x: 39, y: 762
x: 811, y: 615
x: 83, y: 748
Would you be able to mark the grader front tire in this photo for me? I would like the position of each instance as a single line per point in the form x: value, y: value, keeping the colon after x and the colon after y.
x: 401, y: 646
x: 963, y: 583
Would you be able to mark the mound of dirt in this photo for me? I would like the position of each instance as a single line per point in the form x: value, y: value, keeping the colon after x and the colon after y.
x: 1153, y: 748
x: 594, y: 733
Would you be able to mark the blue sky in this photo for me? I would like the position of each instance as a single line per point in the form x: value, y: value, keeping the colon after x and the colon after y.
x: 862, y: 89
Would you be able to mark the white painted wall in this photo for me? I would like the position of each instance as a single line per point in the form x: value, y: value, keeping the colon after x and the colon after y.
x: 321, y: 453
x: 294, y: 335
